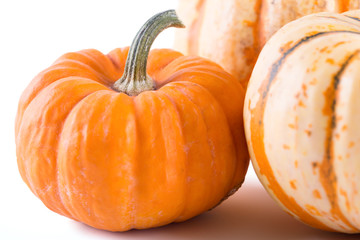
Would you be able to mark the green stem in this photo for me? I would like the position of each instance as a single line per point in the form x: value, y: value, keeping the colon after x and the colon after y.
x: 135, y: 79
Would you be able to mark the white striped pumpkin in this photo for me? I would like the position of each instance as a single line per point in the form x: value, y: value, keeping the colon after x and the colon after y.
x: 232, y: 32
x: 302, y: 119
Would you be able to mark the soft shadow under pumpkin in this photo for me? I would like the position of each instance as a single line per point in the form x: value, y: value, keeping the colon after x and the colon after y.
x: 249, y: 214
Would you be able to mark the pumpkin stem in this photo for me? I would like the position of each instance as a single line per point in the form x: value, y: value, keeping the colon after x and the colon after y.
x: 135, y: 79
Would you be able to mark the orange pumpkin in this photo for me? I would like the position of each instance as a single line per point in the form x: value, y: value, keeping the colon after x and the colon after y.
x: 161, y: 144
x: 232, y: 32
x: 302, y: 120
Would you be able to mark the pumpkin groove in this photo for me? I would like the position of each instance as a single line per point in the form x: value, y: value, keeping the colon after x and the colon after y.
x: 353, y: 18
x: 277, y: 65
x: 327, y: 175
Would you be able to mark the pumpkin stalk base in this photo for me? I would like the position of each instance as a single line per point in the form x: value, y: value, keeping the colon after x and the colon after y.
x: 133, y: 87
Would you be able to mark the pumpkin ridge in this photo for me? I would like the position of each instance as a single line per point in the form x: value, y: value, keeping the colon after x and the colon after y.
x: 158, y: 60
x: 160, y: 95
x: 197, y: 65
x: 145, y: 126
x: 118, y: 57
x: 163, y: 108
x: 116, y: 102
x: 59, y: 66
x: 28, y: 96
x: 58, y: 127
x: 183, y: 63
x: 62, y: 79
x: 69, y: 78
x: 105, y: 66
x: 186, y: 162
x: 132, y: 194
x: 114, y: 62
x: 327, y: 174
x: 115, y: 110
x: 69, y: 211
x: 179, y: 90
x: 230, y: 188
x: 76, y: 212
x: 185, y: 214
x: 230, y: 119
x: 69, y: 214
x: 93, y: 59
x: 103, y: 79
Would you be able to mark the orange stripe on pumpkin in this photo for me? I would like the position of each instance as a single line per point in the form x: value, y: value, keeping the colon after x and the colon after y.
x: 194, y: 30
x: 258, y: 42
x: 344, y: 5
x: 257, y: 141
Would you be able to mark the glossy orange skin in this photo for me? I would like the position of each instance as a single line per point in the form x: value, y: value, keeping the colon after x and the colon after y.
x: 118, y: 162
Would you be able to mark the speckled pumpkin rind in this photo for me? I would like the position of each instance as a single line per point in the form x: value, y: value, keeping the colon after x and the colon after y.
x: 232, y: 32
x: 302, y: 119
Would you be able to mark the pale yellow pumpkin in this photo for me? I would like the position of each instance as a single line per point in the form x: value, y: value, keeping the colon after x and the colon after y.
x: 302, y: 119
x: 232, y: 32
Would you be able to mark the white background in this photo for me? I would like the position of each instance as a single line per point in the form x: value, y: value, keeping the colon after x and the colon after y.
x: 32, y: 35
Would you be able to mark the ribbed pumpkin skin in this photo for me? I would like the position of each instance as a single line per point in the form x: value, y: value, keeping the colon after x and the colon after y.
x: 302, y: 119
x: 117, y: 162
x: 232, y: 32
